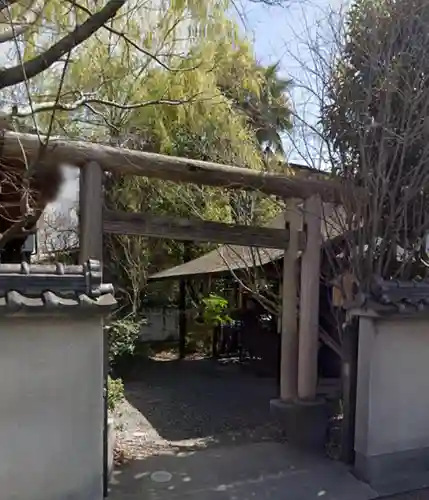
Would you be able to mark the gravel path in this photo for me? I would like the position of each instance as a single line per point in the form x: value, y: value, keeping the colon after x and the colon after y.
x: 174, y: 406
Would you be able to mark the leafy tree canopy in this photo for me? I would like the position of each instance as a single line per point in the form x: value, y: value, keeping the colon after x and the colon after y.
x: 174, y: 78
x: 377, y: 122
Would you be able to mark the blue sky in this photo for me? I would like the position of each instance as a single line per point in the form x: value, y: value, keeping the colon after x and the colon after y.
x: 278, y: 35
x: 281, y: 34
x: 276, y: 30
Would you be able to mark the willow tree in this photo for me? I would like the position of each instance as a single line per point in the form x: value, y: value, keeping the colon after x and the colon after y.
x: 142, y: 75
x: 208, y: 127
x: 43, y: 33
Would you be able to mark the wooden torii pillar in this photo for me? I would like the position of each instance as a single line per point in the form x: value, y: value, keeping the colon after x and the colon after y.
x: 91, y: 247
x: 309, y: 300
x: 289, y: 318
x: 302, y: 416
x: 91, y: 212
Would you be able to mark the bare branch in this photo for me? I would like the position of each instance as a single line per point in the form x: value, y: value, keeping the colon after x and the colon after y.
x: 6, y: 4
x: 19, y: 73
x: 88, y: 101
x: 20, y: 227
x: 11, y: 34
x: 272, y: 3
x: 18, y: 28
x: 133, y: 44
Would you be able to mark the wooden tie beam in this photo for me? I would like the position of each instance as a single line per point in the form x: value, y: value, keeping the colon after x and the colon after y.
x: 142, y: 224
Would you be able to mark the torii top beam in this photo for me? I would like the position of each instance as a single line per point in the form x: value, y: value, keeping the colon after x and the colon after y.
x: 129, y: 162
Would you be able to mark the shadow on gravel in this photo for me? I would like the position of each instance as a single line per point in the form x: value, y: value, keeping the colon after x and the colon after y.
x: 194, y: 399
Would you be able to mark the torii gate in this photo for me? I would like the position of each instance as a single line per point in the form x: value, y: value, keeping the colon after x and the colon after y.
x: 298, y: 379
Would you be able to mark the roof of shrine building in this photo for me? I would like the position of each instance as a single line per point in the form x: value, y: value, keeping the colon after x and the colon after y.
x: 54, y: 288
x: 227, y: 258
x: 394, y: 296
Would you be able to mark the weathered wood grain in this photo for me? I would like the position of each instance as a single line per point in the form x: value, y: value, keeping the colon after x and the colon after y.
x: 90, y: 213
x: 309, y: 301
x: 125, y: 161
x: 192, y: 230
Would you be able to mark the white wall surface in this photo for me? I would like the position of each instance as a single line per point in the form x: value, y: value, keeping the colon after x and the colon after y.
x: 51, y: 413
x: 162, y: 324
x: 393, y: 396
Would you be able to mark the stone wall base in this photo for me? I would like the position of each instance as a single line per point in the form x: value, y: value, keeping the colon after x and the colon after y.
x: 394, y: 472
x: 304, y: 423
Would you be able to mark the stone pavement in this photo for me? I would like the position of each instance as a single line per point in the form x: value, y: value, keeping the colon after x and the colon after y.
x: 255, y: 471
x: 200, y: 431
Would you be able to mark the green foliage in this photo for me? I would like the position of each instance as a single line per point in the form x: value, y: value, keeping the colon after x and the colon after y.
x: 378, y: 88
x: 183, y: 82
x: 115, y: 393
x: 376, y: 122
x: 266, y: 108
x: 215, y: 310
x: 122, y: 336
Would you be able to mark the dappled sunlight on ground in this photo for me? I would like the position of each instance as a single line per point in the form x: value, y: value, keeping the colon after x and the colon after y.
x: 197, y: 429
x: 192, y: 404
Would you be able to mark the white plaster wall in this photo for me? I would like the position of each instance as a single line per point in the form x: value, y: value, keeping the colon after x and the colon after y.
x: 51, y: 409
x: 393, y: 395
x: 162, y: 324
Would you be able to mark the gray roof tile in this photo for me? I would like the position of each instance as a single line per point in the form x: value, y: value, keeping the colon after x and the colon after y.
x: 54, y: 288
x: 395, y: 296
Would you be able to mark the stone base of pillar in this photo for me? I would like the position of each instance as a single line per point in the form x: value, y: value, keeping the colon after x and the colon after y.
x: 304, y: 423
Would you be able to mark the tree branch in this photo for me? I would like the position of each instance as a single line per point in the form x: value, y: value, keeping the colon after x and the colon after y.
x: 88, y: 101
x: 20, y: 227
x: 35, y: 66
x: 6, y: 4
x: 9, y: 35
x: 138, y: 47
x: 20, y: 27
x: 272, y: 3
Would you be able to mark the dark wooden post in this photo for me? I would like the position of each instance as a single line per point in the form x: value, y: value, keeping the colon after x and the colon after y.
x: 215, y: 341
x: 91, y: 212
x: 182, y: 304
x: 182, y: 318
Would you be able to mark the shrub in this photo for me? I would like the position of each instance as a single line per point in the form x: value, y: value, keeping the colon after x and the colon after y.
x: 123, y: 334
x: 215, y: 310
x: 115, y: 392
